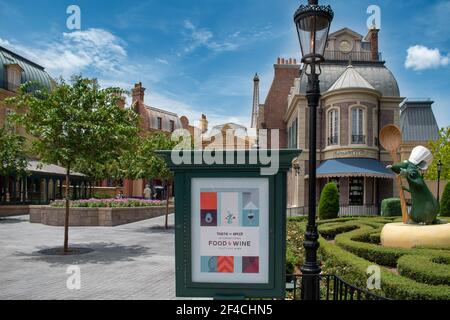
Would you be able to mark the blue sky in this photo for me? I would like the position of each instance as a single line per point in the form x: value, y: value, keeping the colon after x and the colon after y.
x: 200, y: 56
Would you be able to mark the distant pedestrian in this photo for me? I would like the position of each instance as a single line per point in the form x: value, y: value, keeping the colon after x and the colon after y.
x: 147, y: 192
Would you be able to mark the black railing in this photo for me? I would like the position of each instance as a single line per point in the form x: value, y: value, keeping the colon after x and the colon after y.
x: 358, y: 139
x: 332, y: 288
x: 364, y: 56
x: 332, y: 141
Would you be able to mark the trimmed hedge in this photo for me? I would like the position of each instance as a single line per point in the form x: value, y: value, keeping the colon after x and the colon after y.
x: 391, y: 208
x: 329, y: 202
x: 353, y: 269
x: 445, y: 202
x: 424, y: 273
x: 430, y: 269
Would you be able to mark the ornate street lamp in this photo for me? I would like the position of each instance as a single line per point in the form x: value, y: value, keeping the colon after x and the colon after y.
x: 313, y: 25
x: 439, y: 170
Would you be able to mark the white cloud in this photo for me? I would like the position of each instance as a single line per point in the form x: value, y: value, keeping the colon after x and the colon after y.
x: 163, y: 61
x: 423, y: 58
x: 96, y: 49
x: 202, y: 37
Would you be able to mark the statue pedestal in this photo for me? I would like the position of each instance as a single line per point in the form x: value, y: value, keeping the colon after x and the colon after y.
x: 399, y: 235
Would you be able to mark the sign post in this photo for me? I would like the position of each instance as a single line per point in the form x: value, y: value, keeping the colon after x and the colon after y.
x: 230, y: 220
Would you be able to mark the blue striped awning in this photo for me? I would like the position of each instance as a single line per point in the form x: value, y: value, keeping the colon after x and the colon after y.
x: 353, y: 167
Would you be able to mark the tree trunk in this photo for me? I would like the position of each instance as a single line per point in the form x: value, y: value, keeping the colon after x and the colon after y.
x: 66, y: 220
x: 167, y: 204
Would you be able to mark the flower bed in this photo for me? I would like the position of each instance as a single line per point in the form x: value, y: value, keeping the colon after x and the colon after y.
x: 109, y: 203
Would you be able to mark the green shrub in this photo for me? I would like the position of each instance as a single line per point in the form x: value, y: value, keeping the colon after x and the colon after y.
x: 353, y: 269
x: 391, y: 208
x: 429, y: 269
x: 102, y: 196
x: 329, y: 202
x: 292, y: 261
x: 423, y: 273
x: 445, y: 202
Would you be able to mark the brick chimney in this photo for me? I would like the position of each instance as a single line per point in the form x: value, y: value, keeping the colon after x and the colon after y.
x: 121, y: 102
x: 138, y: 93
x: 372, y: 37
x: 275, y: 106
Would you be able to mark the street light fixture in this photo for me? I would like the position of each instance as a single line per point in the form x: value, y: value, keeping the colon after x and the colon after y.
x: 439, y: 170
x: 313, y: 25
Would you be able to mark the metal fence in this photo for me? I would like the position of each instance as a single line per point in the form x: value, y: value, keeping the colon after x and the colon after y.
x: 344, y: 211
x: 332, y: 288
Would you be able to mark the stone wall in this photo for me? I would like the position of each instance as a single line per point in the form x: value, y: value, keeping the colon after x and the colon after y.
x: 9, y: 211
x: 90, y: 217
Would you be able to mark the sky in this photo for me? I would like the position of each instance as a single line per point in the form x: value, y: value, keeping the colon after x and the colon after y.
x: 200, y: 56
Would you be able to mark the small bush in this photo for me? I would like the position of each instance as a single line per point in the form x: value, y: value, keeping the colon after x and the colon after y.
x: 391, y: 208
x: 329, y: 202
x: 445, y: 202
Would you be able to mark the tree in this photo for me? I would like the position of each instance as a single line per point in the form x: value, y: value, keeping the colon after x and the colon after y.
x: 445, y: 202
x: 13, y: 160
x: 329, y: 202
x: 74, y: 123
x: 441, y: 151
x: 148, y: 164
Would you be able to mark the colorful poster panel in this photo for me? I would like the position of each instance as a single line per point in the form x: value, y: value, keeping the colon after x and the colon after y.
x: 208, y: 207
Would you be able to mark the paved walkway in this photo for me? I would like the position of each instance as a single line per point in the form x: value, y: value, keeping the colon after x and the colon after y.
x: 134, y: 261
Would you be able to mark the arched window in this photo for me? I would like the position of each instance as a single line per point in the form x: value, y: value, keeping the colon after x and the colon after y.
x: 358, y: 136
x: 333, y: 127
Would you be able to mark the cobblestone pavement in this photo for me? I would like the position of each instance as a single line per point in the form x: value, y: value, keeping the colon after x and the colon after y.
x: 134, y: 261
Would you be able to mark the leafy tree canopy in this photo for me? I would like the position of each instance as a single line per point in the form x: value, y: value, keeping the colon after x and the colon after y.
x: 441, y: 151
x: 76, y: 123
x: 13, y: 158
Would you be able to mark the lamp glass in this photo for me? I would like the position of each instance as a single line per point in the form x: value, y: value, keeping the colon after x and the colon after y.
x: 313, y: 28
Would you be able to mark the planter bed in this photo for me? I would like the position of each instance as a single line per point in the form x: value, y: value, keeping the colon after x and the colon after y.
x: 91, y: 217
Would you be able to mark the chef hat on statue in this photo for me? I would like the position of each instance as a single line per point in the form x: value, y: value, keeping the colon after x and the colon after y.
x: 421, y: 157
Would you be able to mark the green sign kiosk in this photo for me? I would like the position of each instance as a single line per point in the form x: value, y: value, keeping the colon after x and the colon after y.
x: 230, y: 221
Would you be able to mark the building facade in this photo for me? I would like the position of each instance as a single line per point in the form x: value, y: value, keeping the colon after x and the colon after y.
x: 360, y: 96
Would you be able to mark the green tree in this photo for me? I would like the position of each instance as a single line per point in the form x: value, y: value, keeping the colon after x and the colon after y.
x: 329, y: 202
x: 13, y: 160
x: 441, y: 151
x: 74, y: 123
x: 148, y: 164
x: 445, y: 202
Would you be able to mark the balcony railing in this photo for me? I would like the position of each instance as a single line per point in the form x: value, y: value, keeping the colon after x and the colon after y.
x: 364, y: 56
x: 358, y: 139
x: 332, y: 141
x: 344, y: 211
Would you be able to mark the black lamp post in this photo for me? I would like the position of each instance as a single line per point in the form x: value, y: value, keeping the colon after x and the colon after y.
x: 313, y: 25
x: 439, y: 170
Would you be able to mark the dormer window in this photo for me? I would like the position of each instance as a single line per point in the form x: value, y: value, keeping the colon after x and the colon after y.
x: 14, y: 77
